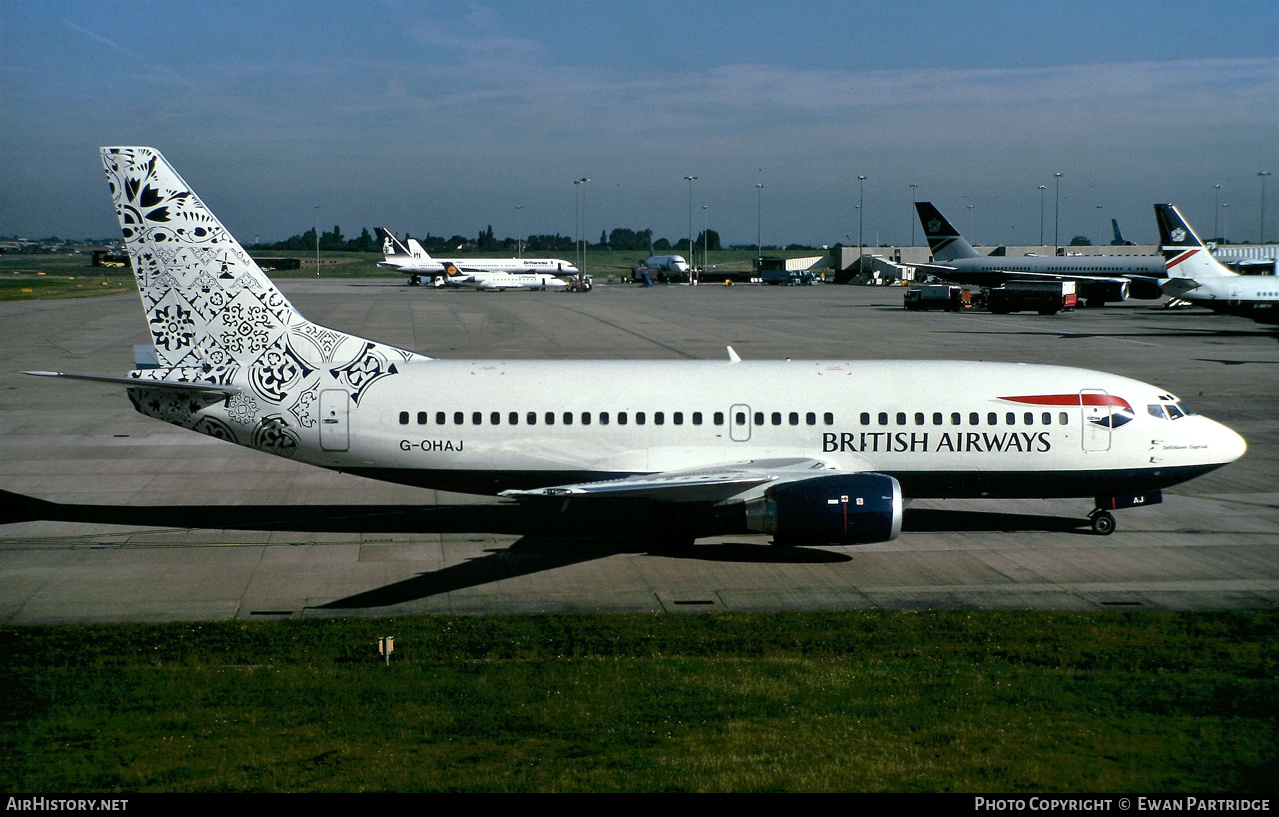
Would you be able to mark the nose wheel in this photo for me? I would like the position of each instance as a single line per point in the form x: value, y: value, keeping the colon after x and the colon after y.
x: 1102, y: 522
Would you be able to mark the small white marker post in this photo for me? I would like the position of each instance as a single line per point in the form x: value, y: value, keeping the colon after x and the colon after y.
x: 386, y: 646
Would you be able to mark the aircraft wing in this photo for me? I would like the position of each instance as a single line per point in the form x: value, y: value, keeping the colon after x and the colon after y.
x: 705, y: 484
x: 1176, y: 287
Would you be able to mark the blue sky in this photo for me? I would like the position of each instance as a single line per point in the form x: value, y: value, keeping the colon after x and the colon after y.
x: 444, y: 117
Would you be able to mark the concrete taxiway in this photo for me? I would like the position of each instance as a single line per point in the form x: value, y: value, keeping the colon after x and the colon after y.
x: 111, y: 516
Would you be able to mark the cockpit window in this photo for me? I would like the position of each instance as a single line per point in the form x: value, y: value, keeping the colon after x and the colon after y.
x: 1157, y: 410
x: 1175, y: 413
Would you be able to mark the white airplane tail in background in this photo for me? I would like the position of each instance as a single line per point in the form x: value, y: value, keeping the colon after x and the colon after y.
x: 1184, y: 254
x: 221, y: 329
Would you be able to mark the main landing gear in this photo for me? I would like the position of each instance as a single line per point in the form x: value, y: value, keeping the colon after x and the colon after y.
x: 1102, y: 521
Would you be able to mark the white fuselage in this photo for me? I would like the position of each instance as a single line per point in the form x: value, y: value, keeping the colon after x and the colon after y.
x: 942, y: 428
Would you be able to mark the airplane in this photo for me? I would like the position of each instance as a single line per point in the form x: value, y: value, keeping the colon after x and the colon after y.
x: 493, y: 281
x: 415, y: 261
x: 1099, y: 278
x: 809, y: 452
x: 1194, y: 275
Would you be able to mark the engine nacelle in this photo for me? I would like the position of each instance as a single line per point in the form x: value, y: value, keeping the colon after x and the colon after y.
x: 840, y: 509
x: 1108, y: 291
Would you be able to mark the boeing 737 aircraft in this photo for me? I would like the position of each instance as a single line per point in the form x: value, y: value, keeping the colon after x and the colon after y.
x: 1099, y: 278
x: 813, y: 453
x: 1195, y: 276
x: 416, y: 262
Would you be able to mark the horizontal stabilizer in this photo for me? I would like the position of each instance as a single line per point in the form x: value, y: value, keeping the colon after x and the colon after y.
x: 142, y: 382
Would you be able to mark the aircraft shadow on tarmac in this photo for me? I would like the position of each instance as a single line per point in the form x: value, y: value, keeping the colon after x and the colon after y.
x: 549, y: 538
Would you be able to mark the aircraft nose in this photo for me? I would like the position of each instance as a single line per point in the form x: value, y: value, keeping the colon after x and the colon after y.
x: 1233, y: 445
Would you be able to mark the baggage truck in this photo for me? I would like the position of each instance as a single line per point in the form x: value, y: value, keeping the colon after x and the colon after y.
x: 1044, y: 297
x: 938, y: 296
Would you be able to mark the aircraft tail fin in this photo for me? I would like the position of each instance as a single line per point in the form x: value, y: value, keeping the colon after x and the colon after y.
x: 392, y: 247
x: 943, y: 239
x: 1184, y: 253
x: 216, y: 318
x: 418, y: 251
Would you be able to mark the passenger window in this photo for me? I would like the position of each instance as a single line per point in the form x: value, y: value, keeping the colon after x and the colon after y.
x: 992, y: 419
x: 828, y: 419
x: 777, y: 418
x: 937, y: 418
x: 719, y: 418
x: 404, y: 418
x: 603, y: 418
x: 421, y: 418
x: 1046, y: 418
x: 793, y: 418
x: 759, y: 418
x: 1063, y: 418
x: 954, y: 418
x: 901, y: 418
x: 477, y: 418
x: 811, y: 418
x: 974, y: 419
x: 531, y: 418
x: 458, y: 418
x: 586, y: 418
x: 697, y: 418
x: 495, y: 418
x: 919, y: 418
x: 621, y: 418
x: 1029, y: 417
x: 513, y: 418
x: 678, y: 418
x: 440, y: 418
x: 883, y: 418
x: 568, y: 418
x: 659, y: 418
x: 550, y: 418
x: 741, y: 418
x: 1011, y: 418
x: 865, y: 418
x: 639, y: 418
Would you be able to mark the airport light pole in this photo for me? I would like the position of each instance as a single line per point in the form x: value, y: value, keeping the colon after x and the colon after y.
x: 692, y: 257
x: 581, y: 265
x: 1216, y: 205
x: 861, y: 200
x: 706, y: 237
x: 1099, y: 232
x: 759, y: 224
x: 913, y: 216
x: 1225, y: 221
x: 1042, y: 188
x: 519, y: 231
x: 1057, y: 216
x: 1262, y: 237
x: 317, y: 241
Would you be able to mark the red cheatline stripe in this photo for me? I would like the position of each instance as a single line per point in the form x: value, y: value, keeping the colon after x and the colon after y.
x: 1088, y: 399
x: 1183, y: 257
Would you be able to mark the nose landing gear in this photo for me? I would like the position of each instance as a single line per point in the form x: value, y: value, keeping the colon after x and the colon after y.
x: 1102, y: 521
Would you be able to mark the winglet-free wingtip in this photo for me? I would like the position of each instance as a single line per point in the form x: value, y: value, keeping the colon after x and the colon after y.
x: 732, y: 356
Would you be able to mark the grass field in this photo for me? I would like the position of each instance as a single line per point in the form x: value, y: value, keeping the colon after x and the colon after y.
x: 29, y: 277
x: 862, y: 701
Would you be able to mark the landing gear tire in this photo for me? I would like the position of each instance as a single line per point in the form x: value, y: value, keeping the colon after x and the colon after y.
x: 1103, y: 523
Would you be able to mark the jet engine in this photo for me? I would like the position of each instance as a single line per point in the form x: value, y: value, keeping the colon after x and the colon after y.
x: 1109, y: 291
x: 840, y: 509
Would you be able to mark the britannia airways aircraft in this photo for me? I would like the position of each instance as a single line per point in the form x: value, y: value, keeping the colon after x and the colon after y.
x: 1195, y: 276
x: 476, y: 273
x: 811, y: 452
x: 1099, y: 278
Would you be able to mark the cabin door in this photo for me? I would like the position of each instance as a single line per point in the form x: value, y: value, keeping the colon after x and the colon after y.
x: 334, y: 411
x: 1096, y: 408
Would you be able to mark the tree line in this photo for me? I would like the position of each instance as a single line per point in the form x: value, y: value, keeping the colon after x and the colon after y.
x: 620, y: 238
